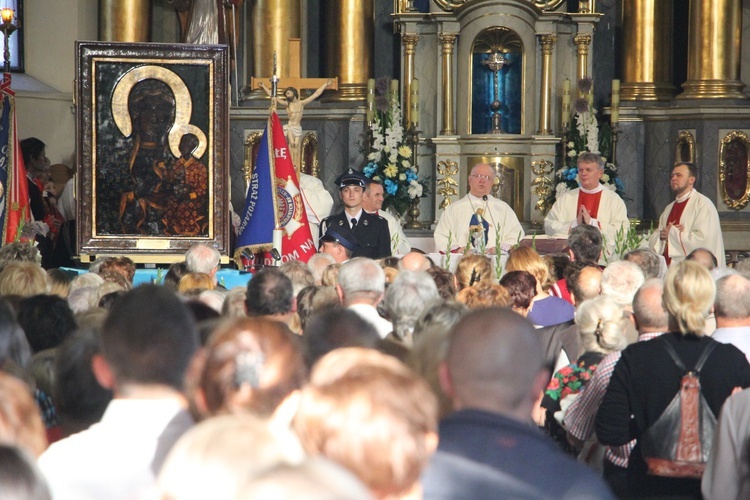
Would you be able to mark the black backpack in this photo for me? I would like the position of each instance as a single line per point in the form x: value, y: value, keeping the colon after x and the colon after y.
x: 678, y: 443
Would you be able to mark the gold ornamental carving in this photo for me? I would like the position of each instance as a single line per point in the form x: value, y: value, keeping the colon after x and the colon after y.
x: 448, y: 40
x: 582, y: 43
x: 410, y: 41
x: 251, y: 142
x: 447, y: 187
x: 731, y: 166
x: 542, y: 185
x: 546, y: 5
x: 548, y: 43
x: 310, y: 155
x: 685, y: 151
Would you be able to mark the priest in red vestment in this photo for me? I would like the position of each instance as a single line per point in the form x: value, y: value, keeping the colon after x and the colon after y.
x: 691, y: 221
x: 591, y: 203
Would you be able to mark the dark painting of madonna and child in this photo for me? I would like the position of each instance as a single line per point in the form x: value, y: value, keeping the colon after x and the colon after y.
x: 157, y: 154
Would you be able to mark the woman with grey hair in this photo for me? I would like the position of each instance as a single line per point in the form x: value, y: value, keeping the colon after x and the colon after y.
x: 405, y: 300
x: 602, y: 328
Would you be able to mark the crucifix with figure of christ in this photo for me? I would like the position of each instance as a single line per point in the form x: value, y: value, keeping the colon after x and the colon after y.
x: 295, y: 107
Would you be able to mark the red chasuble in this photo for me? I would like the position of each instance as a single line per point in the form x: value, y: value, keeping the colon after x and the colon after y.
x: 674, y: 218
x: 590, y: 201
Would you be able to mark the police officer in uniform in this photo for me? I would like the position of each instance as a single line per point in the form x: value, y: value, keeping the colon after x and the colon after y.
x: 369, y: 231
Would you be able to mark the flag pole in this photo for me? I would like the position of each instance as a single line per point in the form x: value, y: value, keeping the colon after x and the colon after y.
x: 278, y: 233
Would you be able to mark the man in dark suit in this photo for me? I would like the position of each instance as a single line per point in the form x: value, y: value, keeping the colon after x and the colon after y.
x: 369, y: 231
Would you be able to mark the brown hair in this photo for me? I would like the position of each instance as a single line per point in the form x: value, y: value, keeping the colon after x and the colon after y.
x: 122, y: 265
x: 20, y: 422
x: 485, y: 295
x: 250, y: 366
x: 527, y: 259
x: 473, y: 269
x: 196, y: 281
x: 370, y: 413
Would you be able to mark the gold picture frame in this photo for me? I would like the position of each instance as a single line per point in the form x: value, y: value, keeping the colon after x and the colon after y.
x: 734, y: 170
x: 153, y: 149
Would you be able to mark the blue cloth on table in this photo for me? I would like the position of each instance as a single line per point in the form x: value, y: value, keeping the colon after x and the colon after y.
x: 228, y: 278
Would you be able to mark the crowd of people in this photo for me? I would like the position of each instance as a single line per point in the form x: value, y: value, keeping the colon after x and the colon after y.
x: 390, y: 378
x: 363, y: 375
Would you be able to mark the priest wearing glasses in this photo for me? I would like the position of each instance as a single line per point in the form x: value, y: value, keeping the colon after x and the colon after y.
x: 475, y: 220
x: 592, y: 203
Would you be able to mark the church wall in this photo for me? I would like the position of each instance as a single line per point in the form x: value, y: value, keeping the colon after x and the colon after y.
x: 50, y: 32
x: 630, y: 151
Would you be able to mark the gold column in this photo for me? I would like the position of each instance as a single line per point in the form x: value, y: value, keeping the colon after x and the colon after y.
x: 647, y: 50
x: 125, y: 20
x: 548, y: 43
x: 349, y: 33
x: 714, y: 50
x: 448, y: 41
x: 582, y: 43
x: 409, y: 41
x: 274, y: 23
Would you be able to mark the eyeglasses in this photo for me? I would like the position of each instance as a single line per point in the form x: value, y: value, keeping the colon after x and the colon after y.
x: 482, y: 177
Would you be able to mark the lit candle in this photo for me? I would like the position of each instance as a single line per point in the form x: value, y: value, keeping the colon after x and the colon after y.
x: 615, y: 87
x: 566, y: 86
x: 7, y: 15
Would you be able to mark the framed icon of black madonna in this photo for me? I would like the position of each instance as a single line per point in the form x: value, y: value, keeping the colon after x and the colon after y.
x: 152, y: 148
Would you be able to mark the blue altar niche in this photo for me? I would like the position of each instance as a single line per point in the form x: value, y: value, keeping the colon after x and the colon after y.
x: 509, y: 91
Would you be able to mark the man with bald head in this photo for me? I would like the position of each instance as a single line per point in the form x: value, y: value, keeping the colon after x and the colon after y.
x: 703, y: 257
x: 651, y: 320
x: 732, y: 310
x: 478, y: 213
x: 414, y: 261
x: 488, y: 448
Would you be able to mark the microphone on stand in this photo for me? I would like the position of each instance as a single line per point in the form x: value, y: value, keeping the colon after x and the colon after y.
x: 492, y: 217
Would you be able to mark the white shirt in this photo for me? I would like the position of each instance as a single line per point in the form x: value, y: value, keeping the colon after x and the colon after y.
x: 370, y: 314
x: 119, y: 457
x: 738, y: 336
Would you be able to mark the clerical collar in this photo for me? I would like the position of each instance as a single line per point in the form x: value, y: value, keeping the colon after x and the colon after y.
x: 593, y: 191
x: 681, y: 199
